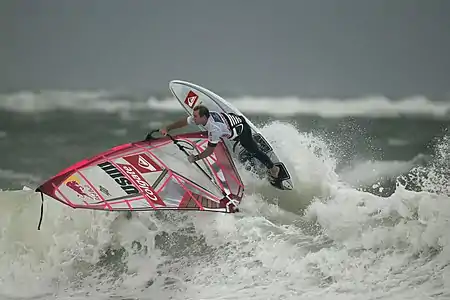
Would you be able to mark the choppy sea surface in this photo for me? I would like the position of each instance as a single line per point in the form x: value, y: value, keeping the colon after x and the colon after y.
x: 369, y: 218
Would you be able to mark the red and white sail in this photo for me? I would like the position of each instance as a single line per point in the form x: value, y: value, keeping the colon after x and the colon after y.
x: 151, y: 175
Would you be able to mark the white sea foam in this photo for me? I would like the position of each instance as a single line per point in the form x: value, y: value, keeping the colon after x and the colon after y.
x: 349, y: 244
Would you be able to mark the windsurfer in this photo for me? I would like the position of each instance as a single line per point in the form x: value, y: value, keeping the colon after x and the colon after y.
x: 223, y: 125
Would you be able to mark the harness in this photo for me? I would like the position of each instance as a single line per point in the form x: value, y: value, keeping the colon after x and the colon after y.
x: 235, y: 124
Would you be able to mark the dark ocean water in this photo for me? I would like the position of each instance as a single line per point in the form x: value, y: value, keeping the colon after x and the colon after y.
x: 36, y: 146
x: 352, y: 230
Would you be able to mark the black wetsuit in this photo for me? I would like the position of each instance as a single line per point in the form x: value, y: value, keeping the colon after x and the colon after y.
x: 242, y: 133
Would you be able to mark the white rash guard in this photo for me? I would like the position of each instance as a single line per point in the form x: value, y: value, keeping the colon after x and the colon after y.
x: 217, y: 127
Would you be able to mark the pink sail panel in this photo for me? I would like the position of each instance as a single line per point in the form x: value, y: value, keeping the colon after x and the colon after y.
x: 150, y: 175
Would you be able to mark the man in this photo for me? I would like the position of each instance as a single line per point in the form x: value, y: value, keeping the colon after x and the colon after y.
x: 222, y: 125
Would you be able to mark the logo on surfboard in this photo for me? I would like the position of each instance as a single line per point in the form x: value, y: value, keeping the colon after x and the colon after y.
x: 191, y: 99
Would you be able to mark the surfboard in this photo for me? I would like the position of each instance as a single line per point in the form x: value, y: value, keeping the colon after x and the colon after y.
x: 189, y: 95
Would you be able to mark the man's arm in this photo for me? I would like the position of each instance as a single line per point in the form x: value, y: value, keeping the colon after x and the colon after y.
x: 178, y: 124
x: 213, y: 140
x: 208, y: 151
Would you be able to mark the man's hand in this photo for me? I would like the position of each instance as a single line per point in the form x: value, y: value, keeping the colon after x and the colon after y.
x: 163, y: 131
x: 191, y: 158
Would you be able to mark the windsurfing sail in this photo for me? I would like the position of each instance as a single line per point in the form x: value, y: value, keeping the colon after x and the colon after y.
x: 151, y: 175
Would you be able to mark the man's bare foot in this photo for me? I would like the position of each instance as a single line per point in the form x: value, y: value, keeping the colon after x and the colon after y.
x: 274, y: 172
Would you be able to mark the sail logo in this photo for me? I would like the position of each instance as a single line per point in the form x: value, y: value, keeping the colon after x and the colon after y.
x: 81, y: 189
x: 191, y: 99
x: 143, y: 163
x: 141, y: 184
x: 119, y: 178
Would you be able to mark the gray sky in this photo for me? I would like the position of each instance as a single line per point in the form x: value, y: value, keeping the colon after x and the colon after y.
x: 340, y: 48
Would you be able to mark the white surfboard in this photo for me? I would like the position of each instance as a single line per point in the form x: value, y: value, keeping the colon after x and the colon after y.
x: 189, y: 95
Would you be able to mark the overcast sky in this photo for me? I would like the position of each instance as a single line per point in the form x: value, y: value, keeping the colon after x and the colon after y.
x: 340, y: 48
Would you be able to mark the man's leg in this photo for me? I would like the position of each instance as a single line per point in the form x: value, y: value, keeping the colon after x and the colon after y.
x: 249, y: 144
